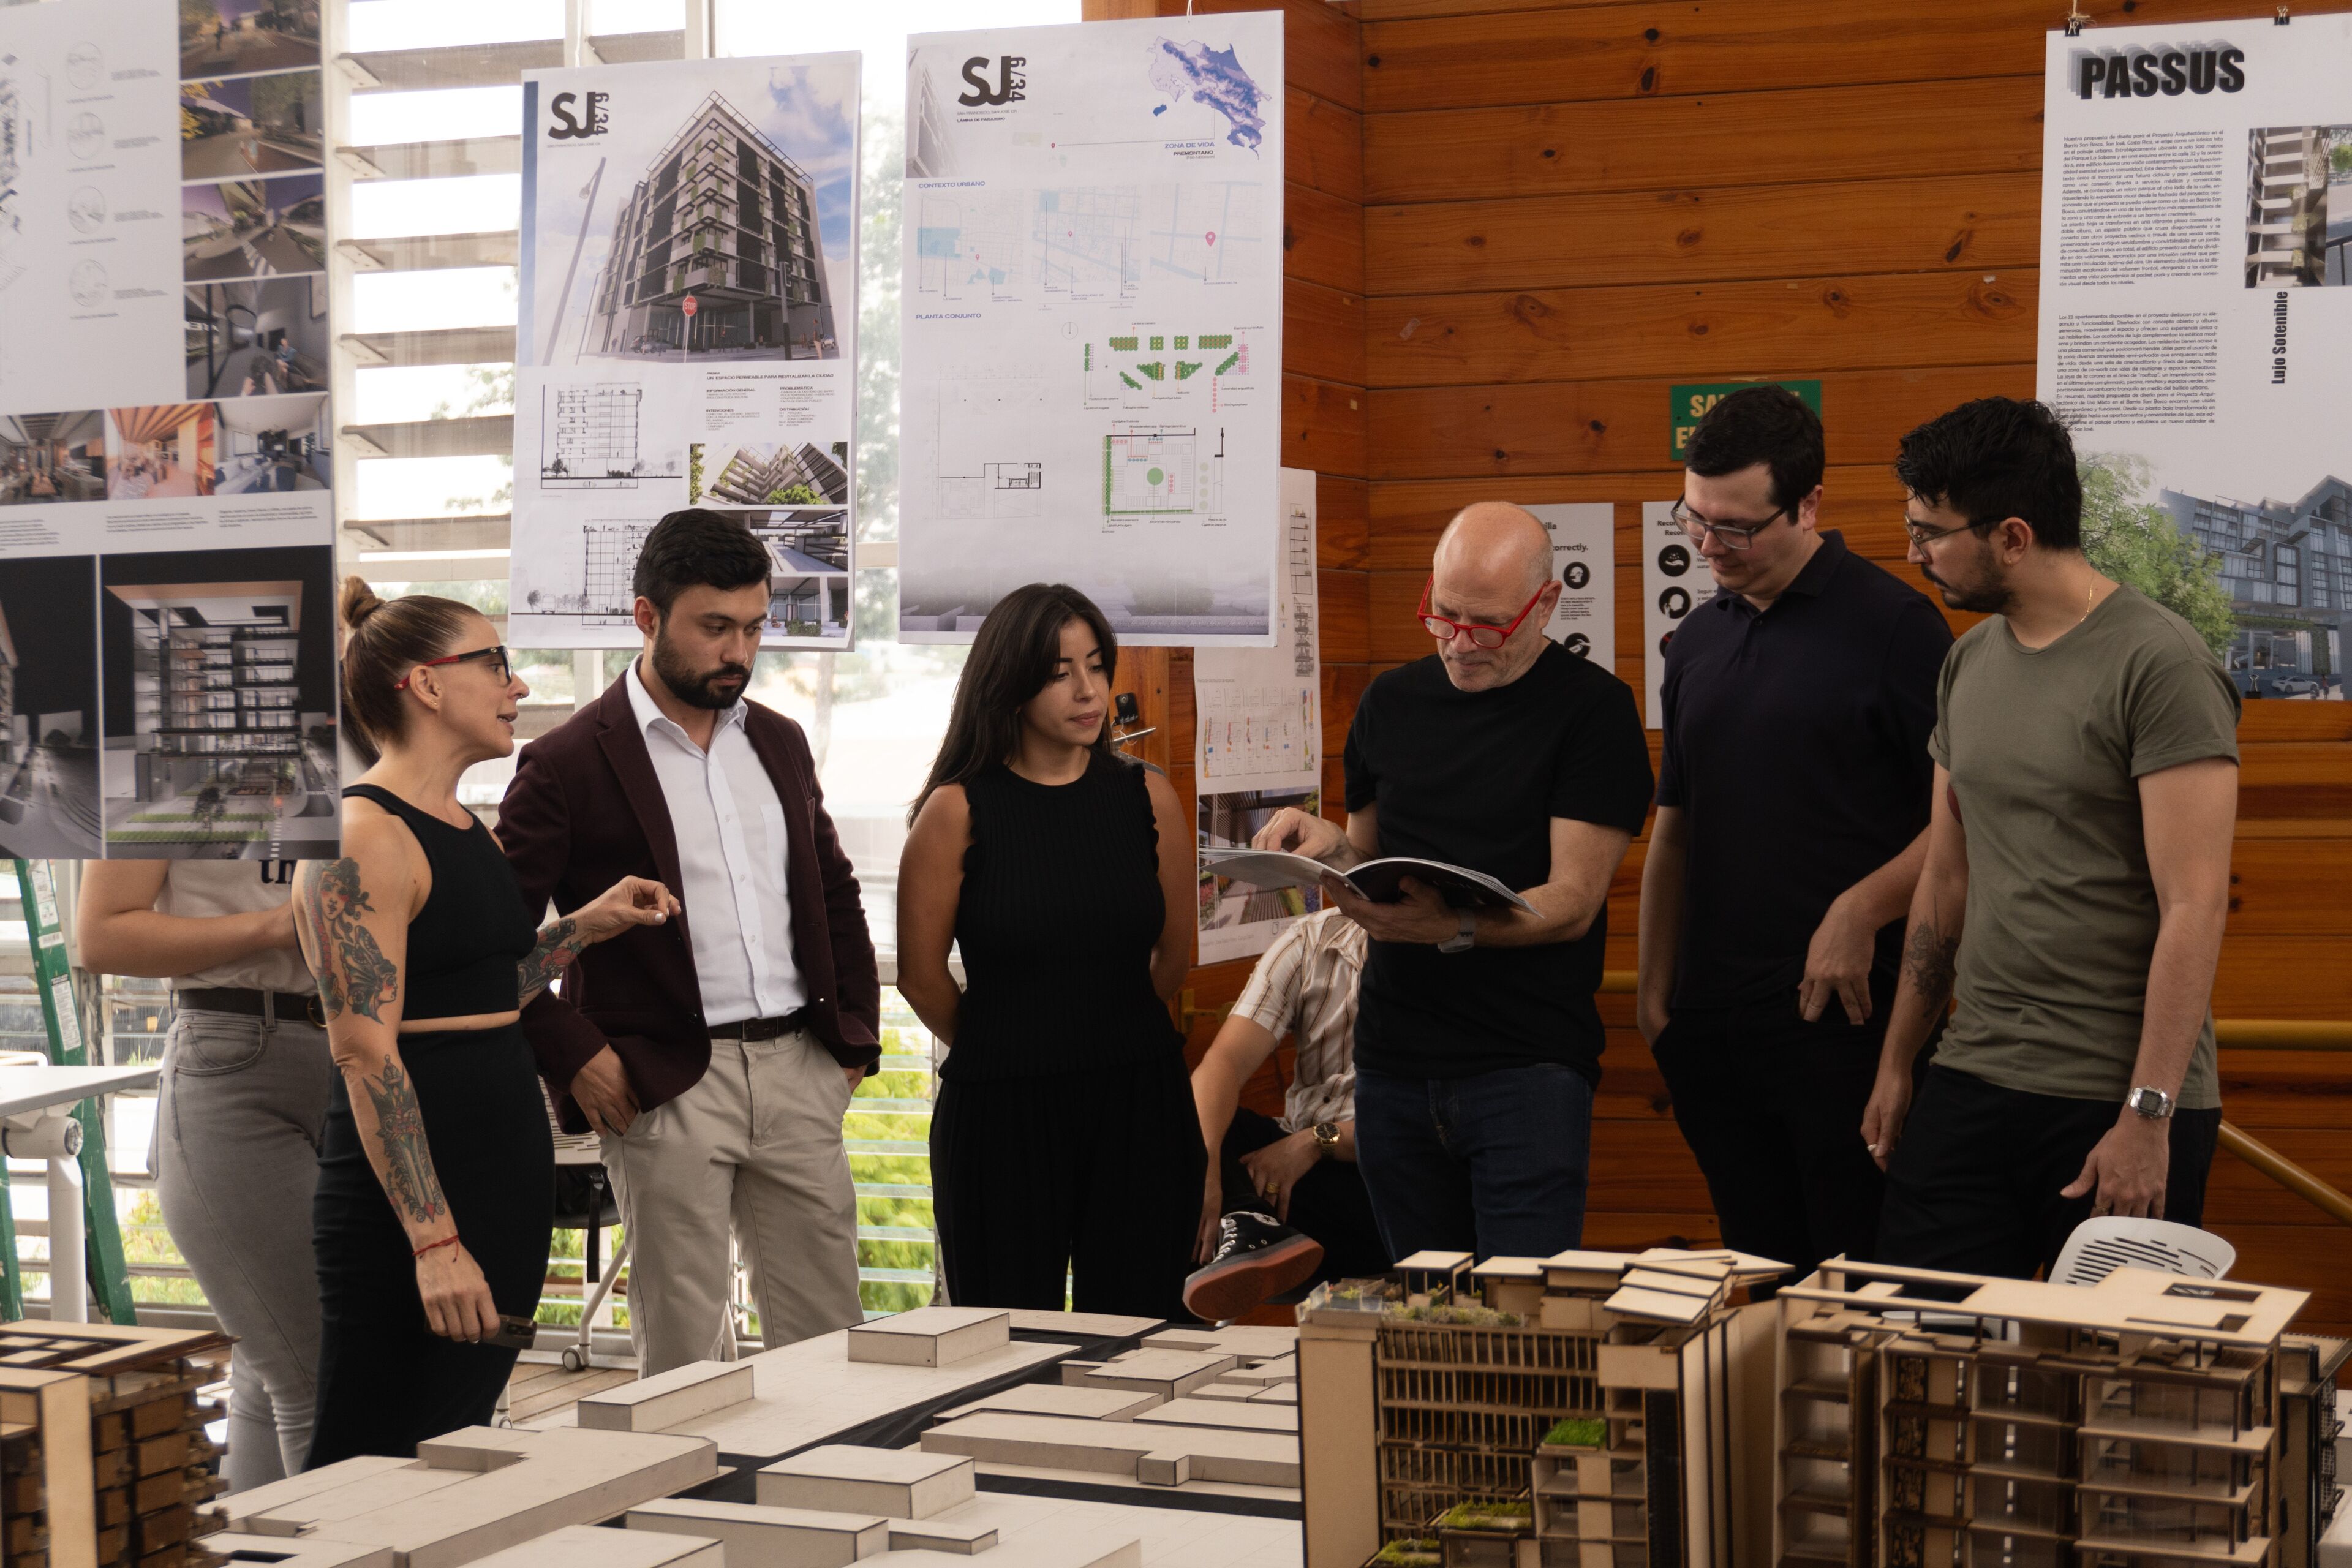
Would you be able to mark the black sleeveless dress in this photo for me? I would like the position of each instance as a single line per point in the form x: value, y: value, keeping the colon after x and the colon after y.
x: 387, y: 1382
x: 1065, y: 1143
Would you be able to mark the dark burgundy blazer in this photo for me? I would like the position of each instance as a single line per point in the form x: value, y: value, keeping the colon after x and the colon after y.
x: 585, y: 810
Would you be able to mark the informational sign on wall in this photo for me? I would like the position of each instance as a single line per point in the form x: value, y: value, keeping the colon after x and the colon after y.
x: 687, y: 336
x: 1584, y: 559
x: 1687, y: 405
x: 1675, y: 581
x: 2197, y: 327
x: 1260, y: 744
x: 1092, y: 325
x: 167, y: 654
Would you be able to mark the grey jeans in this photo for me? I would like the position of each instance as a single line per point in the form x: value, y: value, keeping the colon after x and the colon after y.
x: 237, y: 1123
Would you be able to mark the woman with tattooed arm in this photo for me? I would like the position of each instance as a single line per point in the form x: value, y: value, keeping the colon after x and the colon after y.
x: 437, y: 1178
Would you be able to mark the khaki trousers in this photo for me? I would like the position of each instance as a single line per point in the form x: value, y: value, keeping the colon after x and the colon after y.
x: 754, y: 1150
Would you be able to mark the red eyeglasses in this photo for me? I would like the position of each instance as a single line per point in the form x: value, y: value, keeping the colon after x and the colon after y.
x: 1481, y: 634
x: 496, y: 653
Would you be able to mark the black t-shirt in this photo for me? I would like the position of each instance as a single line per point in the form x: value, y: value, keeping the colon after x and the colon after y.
x: 1796, y: 746
x: 1474, y: 778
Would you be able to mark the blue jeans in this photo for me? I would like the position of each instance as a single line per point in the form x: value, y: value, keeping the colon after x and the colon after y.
x: 1492, y: 1164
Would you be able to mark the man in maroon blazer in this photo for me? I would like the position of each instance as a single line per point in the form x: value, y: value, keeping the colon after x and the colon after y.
x: 715, y: 1055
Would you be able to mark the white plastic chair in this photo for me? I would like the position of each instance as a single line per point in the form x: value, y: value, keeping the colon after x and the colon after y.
x: 2104, y: 1243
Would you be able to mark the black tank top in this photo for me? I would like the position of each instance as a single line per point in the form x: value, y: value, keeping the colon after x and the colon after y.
x: 464, y: 943
x: 1060, y: 908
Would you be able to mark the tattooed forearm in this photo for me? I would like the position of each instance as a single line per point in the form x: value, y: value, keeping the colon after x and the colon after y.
x: 407, y: 1166
x: 1928, y: 962
x: 352, y: 971
x: 559, y: 943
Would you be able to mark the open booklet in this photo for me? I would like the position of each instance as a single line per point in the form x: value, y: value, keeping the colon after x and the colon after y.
x: 1375, y: 880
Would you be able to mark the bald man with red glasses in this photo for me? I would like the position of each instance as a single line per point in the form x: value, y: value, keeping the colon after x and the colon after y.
x: 1477, y: 1042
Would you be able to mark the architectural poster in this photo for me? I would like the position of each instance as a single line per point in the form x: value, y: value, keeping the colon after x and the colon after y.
x: 2197, y: 327
x: 1675, y: 581
x: 1260, y: 745
x: 1584, y: 559
x: 1092, y: 325
x: 167, y: 658
x: 687, y: 334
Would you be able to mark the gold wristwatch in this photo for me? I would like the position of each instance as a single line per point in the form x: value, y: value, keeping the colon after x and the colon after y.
x: 1327, y: 1138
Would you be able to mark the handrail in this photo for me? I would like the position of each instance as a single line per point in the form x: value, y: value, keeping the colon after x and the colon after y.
x: 2286, y: 1172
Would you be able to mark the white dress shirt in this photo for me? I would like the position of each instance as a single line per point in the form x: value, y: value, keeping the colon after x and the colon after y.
x: 730, y: 828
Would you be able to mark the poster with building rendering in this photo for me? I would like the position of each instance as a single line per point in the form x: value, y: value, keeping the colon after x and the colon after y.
x: 1091, y: 326
x: 167, y: 675
x: 686, y: 335
x: 2197, y: 328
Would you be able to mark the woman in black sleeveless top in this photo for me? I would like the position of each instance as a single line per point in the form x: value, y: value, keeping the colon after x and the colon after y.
x: 1063, y: 1144
x: 436, y: 1192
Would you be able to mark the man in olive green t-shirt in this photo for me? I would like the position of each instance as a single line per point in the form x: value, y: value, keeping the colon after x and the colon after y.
x: 2078, y: 875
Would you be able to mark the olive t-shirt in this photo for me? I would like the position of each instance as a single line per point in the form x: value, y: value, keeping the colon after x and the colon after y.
x: 2045, y: 747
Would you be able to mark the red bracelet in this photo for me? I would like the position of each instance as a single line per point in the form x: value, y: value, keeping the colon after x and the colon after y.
x: 434, y: 1246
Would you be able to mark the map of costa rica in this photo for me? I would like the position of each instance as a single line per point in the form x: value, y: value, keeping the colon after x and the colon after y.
x: 1193, y: 70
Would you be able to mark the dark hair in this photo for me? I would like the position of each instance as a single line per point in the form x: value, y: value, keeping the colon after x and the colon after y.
x: 386, y: 639
x: 1768, y: 425
x: 1996, y: 459
x: 697, y: 546
x: 1013, y: 657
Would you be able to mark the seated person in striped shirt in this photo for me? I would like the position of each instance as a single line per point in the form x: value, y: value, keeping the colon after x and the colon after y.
x: 1283, y: 1204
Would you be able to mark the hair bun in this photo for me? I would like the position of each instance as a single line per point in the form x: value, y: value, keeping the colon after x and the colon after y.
x: 357, y: 601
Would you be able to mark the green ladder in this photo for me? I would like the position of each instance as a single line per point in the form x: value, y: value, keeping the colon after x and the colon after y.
x: 53, y: 973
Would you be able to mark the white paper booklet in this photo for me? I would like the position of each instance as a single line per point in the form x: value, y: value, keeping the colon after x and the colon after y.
x: 1378, y: 881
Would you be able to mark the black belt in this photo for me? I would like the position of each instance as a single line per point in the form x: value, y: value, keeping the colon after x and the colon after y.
x: 757, y: 1029
x: 290, y: 1006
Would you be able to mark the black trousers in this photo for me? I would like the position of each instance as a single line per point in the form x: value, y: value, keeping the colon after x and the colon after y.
x: 1034, y: 1186
x: 1327, y: 1202
x: 1974, y: 1184
x: 1771, y: 1108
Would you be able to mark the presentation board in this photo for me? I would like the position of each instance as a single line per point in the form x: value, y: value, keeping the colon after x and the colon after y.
x: 167, y: 653
x: 1092, y: 325
x: 687, y: 335
x: 2197, y: 327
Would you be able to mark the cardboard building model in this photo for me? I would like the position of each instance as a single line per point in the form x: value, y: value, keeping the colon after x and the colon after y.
x: 1607, y: 1410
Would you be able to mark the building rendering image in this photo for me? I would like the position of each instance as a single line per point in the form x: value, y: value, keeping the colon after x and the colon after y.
x: 48, y: 708
x: 809, y: 593
x: 724, y: 216
x: 52, y: 458
x: 2288, y: 567
x: 784, y: 475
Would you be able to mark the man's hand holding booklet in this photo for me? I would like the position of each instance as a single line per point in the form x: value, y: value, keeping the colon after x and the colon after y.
x: 1381, y: 881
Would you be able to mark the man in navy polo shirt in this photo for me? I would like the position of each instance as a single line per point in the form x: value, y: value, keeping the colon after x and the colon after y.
x: 1791, y: 830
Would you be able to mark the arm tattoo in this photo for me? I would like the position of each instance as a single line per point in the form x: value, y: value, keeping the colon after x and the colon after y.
x: 352, y: 971
x: 559, y: 943
x: 1928, y: 960
x: 408, y: 1178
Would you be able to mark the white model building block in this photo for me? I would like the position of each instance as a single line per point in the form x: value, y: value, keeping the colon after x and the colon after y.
x: 938, y: 1536
x: 931, y: 1336
x: 758, y: 1537
x: 1171, y: 1374
x: 297, y: 1551
x: 1059, y: 1399
x: 1086, y: 1553
x: 584, y: 1546
x: 666, y: 1398
x: 1278, y: 1394
x: 1281, y: 1368
x: 1154, y: 1456
x: 1081, y: 1325
x: 897, y: 1483
x: 1249, y: 1341
x: 488, y: 1490
x: 1232, y: 1391
x: 1232, y: 1416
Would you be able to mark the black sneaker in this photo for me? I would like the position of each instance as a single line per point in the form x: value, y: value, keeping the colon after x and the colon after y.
x: 1258, y: 1257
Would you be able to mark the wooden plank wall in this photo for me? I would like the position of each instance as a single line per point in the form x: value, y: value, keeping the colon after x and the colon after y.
x: 1566, y: 207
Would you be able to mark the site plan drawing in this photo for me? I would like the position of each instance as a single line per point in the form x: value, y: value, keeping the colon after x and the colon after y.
x: 1091, y: 336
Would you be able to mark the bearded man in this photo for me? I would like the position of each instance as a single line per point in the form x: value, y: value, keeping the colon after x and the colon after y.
x: 716, y: 1059
x: 2078, y: 875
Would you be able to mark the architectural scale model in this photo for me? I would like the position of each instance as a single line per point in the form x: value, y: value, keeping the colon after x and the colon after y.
x: 103, y: 1446
x: 1607, y: 1410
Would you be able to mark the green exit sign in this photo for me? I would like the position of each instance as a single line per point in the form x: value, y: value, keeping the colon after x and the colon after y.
x: 1687, y: 403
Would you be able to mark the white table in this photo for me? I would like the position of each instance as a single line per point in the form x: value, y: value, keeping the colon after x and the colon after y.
x: 36, y: 1122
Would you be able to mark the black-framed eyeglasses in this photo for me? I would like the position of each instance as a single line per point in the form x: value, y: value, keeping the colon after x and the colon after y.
x: 495, y: 655
x: 1734, y: 535
x: 1923, y: 537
